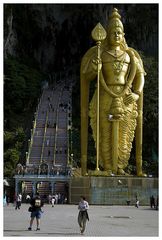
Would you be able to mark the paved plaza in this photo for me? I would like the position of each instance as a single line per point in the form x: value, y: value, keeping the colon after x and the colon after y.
x: 61, y: 221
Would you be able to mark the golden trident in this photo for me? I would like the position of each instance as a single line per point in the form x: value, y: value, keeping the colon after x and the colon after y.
x: 98, y: 34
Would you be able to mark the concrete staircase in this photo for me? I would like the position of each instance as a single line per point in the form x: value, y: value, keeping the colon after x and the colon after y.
x: 49, y: 138
x: 77, y: 172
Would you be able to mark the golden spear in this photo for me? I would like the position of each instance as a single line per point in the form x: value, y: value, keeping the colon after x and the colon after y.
x: 98, y: 34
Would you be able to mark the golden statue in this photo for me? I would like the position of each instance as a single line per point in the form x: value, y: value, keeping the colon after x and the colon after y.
x: 116, y: 107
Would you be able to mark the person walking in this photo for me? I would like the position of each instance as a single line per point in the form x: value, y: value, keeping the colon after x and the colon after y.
x: 49, y: 153
x: 36, y: 212
x: 83, y: 214
x: 53, y: 201
x: 152, y: 202
x: 47, y: 142
x: 18, y: 201
x: 137, y: 203
x: 28, y: 198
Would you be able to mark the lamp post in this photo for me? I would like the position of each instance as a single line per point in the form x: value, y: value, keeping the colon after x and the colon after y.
x: 26, y: 156
x: 28, y: 143
x: 72, y: 159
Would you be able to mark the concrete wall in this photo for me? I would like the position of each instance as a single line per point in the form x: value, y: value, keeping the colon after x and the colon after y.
x: 113, y: 190
x: 79, y: 186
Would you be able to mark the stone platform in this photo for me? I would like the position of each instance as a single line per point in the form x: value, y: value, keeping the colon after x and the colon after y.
x: 113, y: 190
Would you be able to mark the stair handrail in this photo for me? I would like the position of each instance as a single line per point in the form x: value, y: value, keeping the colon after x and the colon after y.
x: 69, y: 128
x: 56, y: 130
x: 33, y: 131
x: 44, y: 137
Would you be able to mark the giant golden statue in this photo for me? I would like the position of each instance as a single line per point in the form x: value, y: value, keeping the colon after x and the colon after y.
x: 116, y: 107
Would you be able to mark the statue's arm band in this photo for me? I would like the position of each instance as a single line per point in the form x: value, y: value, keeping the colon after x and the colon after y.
x: 137, y: 92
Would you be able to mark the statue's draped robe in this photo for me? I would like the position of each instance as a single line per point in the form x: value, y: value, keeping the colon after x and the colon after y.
x: 126, y: 130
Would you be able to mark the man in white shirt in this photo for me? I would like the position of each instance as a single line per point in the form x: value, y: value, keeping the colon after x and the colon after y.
x: 18, y: 201
x: 83, y: 214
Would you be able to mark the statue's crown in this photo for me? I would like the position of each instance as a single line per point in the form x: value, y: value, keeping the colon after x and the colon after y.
x: 114, y: 20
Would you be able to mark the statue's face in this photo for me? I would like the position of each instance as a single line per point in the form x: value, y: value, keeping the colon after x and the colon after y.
x: 116, y: 36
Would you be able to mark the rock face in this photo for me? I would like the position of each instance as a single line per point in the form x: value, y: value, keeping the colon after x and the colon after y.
x: 57, y: 35
x: 11, y: 38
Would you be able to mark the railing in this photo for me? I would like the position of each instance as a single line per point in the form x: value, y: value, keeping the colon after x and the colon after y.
x: 57, y: 115
x: 69, y: 128
x: 35, y: 171
x: 44, y: 137
x: 32, y: 135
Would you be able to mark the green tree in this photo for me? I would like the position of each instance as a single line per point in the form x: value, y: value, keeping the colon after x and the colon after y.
x: 151, y: 116
x: 11, y: 158
x: 22, y: 87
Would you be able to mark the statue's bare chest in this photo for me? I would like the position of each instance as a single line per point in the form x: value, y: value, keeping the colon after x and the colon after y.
x: 115, y: 67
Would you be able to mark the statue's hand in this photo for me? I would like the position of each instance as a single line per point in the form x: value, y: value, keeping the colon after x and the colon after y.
x: 97, y: 64
x: 132, y: 97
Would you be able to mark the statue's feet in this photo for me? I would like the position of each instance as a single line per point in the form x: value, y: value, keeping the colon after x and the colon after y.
x: 122, y: 172
x: 141, y: 174
x: 109, y: 173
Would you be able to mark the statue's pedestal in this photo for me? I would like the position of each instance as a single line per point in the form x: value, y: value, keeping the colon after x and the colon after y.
x: 112, y: 190
x: 98, y: 173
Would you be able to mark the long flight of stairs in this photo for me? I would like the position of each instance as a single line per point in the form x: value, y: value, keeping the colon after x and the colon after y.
x: 49, y: 141
x: 49, y: 144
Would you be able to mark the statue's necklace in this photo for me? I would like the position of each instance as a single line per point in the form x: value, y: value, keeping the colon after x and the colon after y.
x: 118, y: 63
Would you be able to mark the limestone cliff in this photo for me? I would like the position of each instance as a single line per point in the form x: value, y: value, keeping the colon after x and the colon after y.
x: 57, y: 35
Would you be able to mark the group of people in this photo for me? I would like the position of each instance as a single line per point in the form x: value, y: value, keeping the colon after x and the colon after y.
x: 36, y: 212
x: 153, y: 202
x: 64, y: 106
x: 44, y: 170
x: 37, y: 203
x: 57, y: 198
